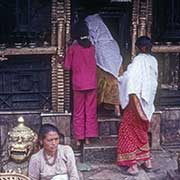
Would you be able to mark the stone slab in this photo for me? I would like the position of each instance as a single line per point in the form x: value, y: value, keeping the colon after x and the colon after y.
x: 173, y: 175
x: 99, y: 154
x: 100, y: 150
x: 162, y: 162
x: 116, y: 175
x: 170, y: 126
x: 155, y: 130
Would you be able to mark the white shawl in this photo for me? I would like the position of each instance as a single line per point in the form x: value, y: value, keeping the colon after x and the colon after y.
x: 140, y: 79
x: 108, y: 55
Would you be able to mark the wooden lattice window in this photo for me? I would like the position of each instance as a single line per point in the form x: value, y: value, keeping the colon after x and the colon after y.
x: 25, y: 83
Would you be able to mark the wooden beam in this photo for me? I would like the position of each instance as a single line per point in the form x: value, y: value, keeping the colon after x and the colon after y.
x: 28, y: 51
x: 166, y: 48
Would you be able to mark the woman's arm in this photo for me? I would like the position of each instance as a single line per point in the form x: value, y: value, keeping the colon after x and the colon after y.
x: 34, y: 168
x: 71, y: 164
x: 137, y: 105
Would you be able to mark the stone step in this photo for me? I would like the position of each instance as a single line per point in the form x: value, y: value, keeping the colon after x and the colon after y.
x: 99, y: 150
x: 102, y: 149
x: 169, y: 97
x: 171, y: 147
x: 108, y: 126
x: 78, y: 155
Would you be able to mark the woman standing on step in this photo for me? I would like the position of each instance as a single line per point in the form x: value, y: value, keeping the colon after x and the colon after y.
x: 54, y: 161
x: 138, y: 87
x: 80, y: 59
x: 108, y: 61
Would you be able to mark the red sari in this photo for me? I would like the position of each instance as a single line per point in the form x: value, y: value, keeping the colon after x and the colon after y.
x: 133, y: 143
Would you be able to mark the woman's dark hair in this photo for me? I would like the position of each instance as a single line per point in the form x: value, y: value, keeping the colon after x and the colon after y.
x: 80, y: 33
x: 144, y: 44
x: 46, y: 128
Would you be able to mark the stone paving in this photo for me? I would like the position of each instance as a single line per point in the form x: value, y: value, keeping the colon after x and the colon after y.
x: 162, y: 162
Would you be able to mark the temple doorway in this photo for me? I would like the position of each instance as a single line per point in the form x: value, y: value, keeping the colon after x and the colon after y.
x: 117, y: 17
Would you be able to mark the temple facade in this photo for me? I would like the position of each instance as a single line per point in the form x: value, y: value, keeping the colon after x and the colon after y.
x: 34, y: 36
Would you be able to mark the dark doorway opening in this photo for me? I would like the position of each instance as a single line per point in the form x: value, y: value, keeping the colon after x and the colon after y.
x: 116, y: 16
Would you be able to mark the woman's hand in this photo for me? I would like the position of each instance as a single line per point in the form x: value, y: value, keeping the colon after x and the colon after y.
x: 138, y: 107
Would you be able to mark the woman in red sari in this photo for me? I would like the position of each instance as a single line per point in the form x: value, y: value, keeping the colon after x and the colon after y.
x: 138, y: 88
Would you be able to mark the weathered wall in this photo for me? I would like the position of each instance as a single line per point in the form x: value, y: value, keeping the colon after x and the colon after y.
x: 170, y: 126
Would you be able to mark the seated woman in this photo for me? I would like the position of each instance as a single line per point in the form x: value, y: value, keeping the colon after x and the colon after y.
x: 54, y: 161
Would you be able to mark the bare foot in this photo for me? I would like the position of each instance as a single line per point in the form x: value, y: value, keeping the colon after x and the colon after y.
x: 133, y: 170
x: 148, y: 164
x: 87, y: 142
x: 78, y: 143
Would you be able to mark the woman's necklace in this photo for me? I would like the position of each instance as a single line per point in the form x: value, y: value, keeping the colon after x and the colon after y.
x: 47, y: 159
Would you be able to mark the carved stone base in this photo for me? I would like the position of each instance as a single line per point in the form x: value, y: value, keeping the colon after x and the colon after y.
x: 170, y: 126
x: 155, y: 130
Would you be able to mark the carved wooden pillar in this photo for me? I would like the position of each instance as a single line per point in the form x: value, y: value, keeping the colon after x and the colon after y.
x: 54, y: 83
x: 134, y: 37
x: 135, y: 22
x: 60, y: 53
x: 149, y: 24
x: 66, y: 73
x: 145, y: 19
x: 61, y: 17
x: 53, y: 23
x: 141, y: 20
x: 53, y: 59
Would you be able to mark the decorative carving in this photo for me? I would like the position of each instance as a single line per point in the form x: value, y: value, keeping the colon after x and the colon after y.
x: 21, y: 144
x: 135, y: 22
x: 60, y: 51
x: 53, y: 22
x: 54, y: 83
x: 60, y: 75
x: 3, y: 58
x: 57, y: 69
x: 150, y: 19
x: 66, y: 73
x: 21, y: 141
x: 141, y: 20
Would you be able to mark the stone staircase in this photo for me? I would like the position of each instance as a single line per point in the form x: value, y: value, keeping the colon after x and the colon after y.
x: 103, y: 148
